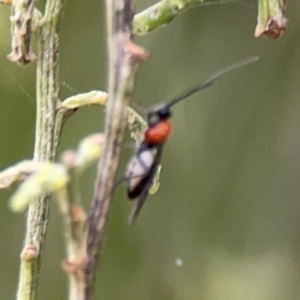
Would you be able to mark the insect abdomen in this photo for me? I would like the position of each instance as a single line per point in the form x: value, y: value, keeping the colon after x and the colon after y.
x: 139, y: 172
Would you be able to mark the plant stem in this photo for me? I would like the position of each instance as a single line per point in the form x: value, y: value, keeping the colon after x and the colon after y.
x: 124, y: 58
x: 74, y: 219
x: 47, y: 87
x: 160, y: 14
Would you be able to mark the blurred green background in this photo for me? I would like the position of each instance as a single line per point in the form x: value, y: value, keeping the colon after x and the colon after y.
x: 225, y: 223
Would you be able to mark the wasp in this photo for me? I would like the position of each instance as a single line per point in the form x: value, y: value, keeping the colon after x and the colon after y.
x: 142, y: 167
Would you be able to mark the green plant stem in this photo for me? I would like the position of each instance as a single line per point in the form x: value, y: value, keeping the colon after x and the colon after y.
x: 160, y: 14
x: 74, y: 221
x: 47, y: 95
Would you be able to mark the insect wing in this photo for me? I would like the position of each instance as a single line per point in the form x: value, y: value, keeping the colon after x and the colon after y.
x: 146, y: 184
x: 138, y: 171
x: 139, y: 204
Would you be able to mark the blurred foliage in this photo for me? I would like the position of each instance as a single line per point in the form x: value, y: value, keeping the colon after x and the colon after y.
x: 228, y: 206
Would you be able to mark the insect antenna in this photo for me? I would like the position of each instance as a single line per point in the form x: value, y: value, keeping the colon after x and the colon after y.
x: 211, y: 79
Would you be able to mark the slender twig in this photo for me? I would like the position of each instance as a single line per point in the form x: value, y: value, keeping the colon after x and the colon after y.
x: 160, y: 14
x: 73, y: 214
x: 124, y: 58
x: 70, y: 105
x: 74, y: 221
x: 47, y: 95
x: 163, y: 12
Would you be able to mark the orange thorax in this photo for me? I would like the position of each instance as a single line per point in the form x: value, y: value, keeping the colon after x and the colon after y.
x: 158, y: 133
